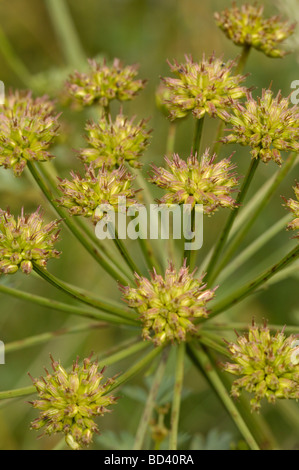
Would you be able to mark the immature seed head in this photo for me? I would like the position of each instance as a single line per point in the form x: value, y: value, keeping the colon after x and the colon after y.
x: 204, y: 87
x: 268, y: 365
x: 27, y: 128
x: 246, y: 26
x: 168, y: 305
x: 114, y: 142
x: 293, y: 206
x: 197, y: 182
x: 26, y: 240
x: 70, y: 401
x: 83, y: 195
x: 104, y: 83
x: 268, y: 125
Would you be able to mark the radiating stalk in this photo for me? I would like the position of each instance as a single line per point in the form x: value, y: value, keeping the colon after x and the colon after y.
x: 233, y: 214
x: 150, y: 402
x: 171, y: 138
x: 123, y: 250
x: 242, y: 326
x: 202, y: 361
x: 243, y: 59
x: 45, y: 337
x: 66, y: 33
x: 137, y: 367
x: 63, y: 307
x: 251, y: 286
x: 86, y: 298
x: 197, y: 136
x: 252, y: 248
x: 177, y: 394
x: 235, y: 242
x: 73, y: 228
x: 14, y: 61
x: 49, y: 177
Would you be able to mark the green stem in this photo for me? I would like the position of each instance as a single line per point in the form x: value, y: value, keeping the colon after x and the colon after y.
x: 171, y: 139
x: 123, y: 250
x: 241, y: 326
x: 202, y: 361
x: 245, y: 227
x: 12, y: 58
x: 190, y: 255
x: 137, y: 367
x: 106, y: 264
x: 51, y: 177
x: 252, y: 249
x: 241, y: 196
x: 177, y: 393
x: 66, y: 32
x: 101, y: 304
x: 18, y: 392
x: 149, y: 255
x: 197, y: 136
x: 63, y: 307
x: 243, y: 59
x: 251, y: 286
x: 218, y: 143
x: 212, y: 341
x: 150, y: 402
x: 44, y: 337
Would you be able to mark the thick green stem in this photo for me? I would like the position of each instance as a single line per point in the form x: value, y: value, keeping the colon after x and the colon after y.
x: 63, y: 307
x: 106, y: 264
x: 205, y: 365
x: 66, y: 32
x: 241, y: 196
x: 244, y: 229
x: 251, y: 286
x: 150, y: 402
x: 197, y: 136
x: 86, y: 298
x: 177, y: 394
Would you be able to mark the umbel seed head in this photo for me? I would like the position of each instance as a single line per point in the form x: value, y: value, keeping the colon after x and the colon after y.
x: 83, y: 195
x: 27, y: 127
x: 70, y: 401
x: 246, y: 26
x: 168, y: 305
x: 268, y: 125
x: 25, y: 241
x: 104, y: 83
x: 115, y: 142
x: 202, y: 87
x: 268, y: 365
x: 197, y: 181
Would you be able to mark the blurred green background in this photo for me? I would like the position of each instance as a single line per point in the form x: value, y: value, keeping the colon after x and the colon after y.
x: 34, y: 55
